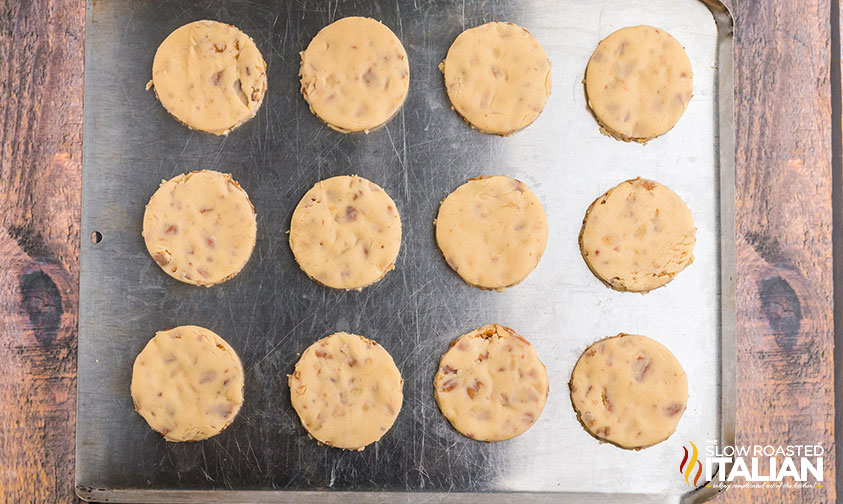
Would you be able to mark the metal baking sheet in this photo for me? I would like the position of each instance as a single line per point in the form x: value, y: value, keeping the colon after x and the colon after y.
x: 271, y: 311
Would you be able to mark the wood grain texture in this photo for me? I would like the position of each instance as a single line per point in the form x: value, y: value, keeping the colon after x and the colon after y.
x: 784, y: 224
x: 783, y: 163
x: 41, y: 60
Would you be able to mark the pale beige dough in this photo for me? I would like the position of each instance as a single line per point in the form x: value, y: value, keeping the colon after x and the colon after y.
x: 210, y: 76
x: 346, y: 390
x: 491, y: 384
x: 638, y: 82
x: 492, y: 231
x: 346, y: 232
x: 637, y: 236
x: 355, y: 74
x: 498, y: 77
x: 200, y: 227
x: 629, y: 390
x: 187, y: 383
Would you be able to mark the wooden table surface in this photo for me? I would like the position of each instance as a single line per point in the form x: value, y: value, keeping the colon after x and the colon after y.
x: 783, y: 102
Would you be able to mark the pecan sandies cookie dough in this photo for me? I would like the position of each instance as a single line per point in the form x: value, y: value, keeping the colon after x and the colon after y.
x: 346, y: 232
x: 355, y: 74
x: 629, y: 390
x: 187, y: 383
x: 638, y: 236
x: 638, y: 82
x: 498, y: 77
x: 200, y: 227
x: 492, y: 231
x: 210, y: 76
x: 346, y: 390
x: 491, y: 384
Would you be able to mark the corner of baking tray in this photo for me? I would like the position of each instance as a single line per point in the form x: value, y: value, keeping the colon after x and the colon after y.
x: 723, y: 16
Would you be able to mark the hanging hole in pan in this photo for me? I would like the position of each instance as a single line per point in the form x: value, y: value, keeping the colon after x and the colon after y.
x: 96, y: 237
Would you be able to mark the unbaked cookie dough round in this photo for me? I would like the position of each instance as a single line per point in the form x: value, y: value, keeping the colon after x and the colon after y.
x: 200, y: 227
x: 187, y: 383
x: 346, y: 232
x: 638, y: 83
x: 497, y: 77
x: 210, y: 76
x: 491, y: 384
x: 629, y: 390
x: 346, y: 390
x: 637, y: 236
x: 355, y: 74
x: 492, y: 231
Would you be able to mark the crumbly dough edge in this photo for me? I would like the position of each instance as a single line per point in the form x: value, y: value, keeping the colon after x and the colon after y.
x: 228, y: 348
x: 151, y: 85
x: 579, y: 414
x: 506, y: 133
x: 358, y: 289
x: 301, y: 420
x: 621, y: 287
x: 335, y: 127
x: 227, y: 176
x: 484, y: 336
x: 496, y: 289
x: 606, y: 130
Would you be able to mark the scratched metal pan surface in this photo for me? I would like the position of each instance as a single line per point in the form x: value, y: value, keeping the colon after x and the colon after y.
x: 271, y: 311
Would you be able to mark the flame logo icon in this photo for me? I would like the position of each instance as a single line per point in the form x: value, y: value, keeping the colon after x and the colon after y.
x: 686, y: 467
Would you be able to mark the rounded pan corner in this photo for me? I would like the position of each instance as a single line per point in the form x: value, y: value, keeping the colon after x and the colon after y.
x: 723, y: 17
x: 84, y: 492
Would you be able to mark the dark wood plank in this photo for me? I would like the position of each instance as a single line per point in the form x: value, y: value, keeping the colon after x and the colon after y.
x: 784, y: 224
x: 41, y: 59
x: 783, y: 154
